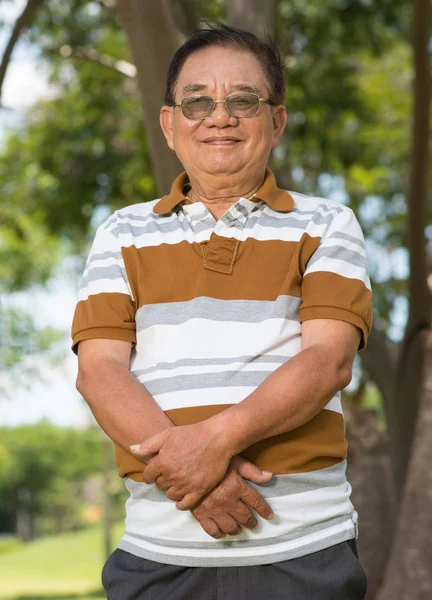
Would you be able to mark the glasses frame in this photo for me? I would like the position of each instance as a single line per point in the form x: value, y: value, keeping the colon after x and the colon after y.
x: 224, y: 101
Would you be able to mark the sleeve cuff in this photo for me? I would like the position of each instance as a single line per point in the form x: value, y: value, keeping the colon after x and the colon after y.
x: 340, y: 314
x: 109, y: 333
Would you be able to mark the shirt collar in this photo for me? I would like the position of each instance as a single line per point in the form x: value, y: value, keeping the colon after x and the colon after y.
x: 269, y: 193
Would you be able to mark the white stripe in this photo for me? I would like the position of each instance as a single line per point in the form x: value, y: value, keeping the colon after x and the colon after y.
x: 340, y: 267
x: 104, y: 286
x: 202, y: 338
x: 203, y: 397
x: 161, y: 520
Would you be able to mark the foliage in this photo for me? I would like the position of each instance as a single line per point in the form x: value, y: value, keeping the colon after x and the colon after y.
x: 43, y: 469
x: 348, y: 98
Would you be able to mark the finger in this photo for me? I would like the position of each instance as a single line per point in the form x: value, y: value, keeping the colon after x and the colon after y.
x: 211, y: 528
x: 189, y: 501
x: 150, y: 446
x: 253, y: 499
x: 250, y: 471
x: 228, y: 525
x: 163, y: 484
x: 243, y: 515
x: 151, y: 472
x: 171, y: 494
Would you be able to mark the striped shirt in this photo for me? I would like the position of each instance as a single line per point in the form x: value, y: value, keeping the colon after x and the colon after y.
x: 213, y: 307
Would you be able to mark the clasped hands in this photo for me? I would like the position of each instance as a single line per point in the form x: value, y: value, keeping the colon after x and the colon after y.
x: 195, y: 467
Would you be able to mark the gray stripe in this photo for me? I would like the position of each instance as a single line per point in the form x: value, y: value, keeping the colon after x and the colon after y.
x: 104, y: 256
x: 230, y: 379
x: 97, y: 273
x: 139, y: 218
x: 151, y: 227
x: 349, y: 238
x: 199, y: 362
x: 269, y: 220
x: 286, y: 220
x: 339, y: 253
x: 204, y: 307
x: 324, y: 207
x: 280, y: 485
x: 244, y: 561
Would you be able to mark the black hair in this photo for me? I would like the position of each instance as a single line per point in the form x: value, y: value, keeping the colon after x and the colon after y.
x: 219, y: 34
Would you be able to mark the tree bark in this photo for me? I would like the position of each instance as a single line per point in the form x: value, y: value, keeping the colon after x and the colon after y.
x: 153, y: 40
x: 404, y: 408
x: 255, y: 16
x: 24, y: 21
x: 409, y: 571
x: 184, y: 15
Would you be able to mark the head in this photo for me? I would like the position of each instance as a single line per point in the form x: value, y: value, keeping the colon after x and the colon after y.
x: 217, y: 62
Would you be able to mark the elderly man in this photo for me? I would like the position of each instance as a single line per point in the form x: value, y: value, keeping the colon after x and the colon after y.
x: 215, y: 329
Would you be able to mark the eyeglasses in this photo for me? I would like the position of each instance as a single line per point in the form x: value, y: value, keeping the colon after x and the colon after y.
x: 237, y: 105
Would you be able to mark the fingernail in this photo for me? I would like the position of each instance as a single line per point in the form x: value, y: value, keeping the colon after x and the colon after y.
x: 135, y: 447
x: 267, y: 473
x: 271, y: 516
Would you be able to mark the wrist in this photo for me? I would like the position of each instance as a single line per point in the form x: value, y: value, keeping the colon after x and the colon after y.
x: 230, y: 431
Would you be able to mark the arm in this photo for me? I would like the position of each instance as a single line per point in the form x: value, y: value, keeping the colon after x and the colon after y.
x: 288, y: 398
x: 114, y: 394
x: 298, y: 390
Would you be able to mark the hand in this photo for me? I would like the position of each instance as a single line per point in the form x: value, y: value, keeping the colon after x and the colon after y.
x: 189, y: 461
x: 229, y: 505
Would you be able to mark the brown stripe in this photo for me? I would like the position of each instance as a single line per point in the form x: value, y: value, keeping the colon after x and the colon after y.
x: 318, y: 444
x: 105, y: 315
x: 330, y: 296
x: 263, y: 270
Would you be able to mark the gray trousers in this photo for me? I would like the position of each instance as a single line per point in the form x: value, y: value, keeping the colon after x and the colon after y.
x: 331, y: 574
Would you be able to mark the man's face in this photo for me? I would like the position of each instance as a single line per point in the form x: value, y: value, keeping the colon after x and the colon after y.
x: 222, y: 144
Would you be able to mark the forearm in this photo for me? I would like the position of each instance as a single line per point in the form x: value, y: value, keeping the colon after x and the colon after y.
x: 120, y: 404
x: 288, y: 398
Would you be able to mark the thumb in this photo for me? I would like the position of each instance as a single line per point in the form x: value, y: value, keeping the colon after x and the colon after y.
x: 250, y: 471
x: 150, y: 446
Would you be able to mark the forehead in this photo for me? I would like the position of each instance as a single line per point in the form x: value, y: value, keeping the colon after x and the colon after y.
x: 215, y: 66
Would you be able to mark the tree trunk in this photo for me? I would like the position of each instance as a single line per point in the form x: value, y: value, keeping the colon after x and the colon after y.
x: 153, y: 40
x: 409, y: 571
x: 255, y: 16
x: 404, y: 408
x: 369, y: 473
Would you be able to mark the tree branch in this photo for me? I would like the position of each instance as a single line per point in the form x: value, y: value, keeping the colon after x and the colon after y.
x: 23, y: 22
x: 92, y: 55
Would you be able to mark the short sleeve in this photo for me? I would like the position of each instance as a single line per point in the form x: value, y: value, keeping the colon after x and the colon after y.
x: 336, y: 282
x: 105, y: 307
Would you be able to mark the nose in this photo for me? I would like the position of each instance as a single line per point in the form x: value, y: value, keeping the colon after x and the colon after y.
x: 220, y: 117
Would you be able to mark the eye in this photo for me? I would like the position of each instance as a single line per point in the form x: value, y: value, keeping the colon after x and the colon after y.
x: 240, y: 101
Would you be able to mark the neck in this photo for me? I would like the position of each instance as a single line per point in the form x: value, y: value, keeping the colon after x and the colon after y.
x: 222, y: 191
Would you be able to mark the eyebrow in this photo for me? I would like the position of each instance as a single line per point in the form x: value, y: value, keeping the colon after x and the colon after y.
x: 199, y: 87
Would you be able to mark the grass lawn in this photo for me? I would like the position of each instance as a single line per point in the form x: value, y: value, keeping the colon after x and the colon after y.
x: 61, y: 567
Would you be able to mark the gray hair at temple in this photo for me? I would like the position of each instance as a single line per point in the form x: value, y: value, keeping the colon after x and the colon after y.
x: 219, y: 34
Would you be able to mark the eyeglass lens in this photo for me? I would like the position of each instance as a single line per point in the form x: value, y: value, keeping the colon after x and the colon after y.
x: 238, y: 105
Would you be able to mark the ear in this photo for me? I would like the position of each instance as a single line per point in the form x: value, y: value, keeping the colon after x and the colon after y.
x: 166, y: 120
x: 279, y: 123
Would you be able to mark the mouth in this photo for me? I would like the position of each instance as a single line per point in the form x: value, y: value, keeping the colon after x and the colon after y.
x: 221, y: 141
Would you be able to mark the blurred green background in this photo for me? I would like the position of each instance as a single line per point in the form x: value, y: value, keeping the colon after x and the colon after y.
x: 81, y: 84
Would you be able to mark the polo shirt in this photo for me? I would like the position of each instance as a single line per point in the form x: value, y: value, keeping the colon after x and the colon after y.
x: 212, y: 307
